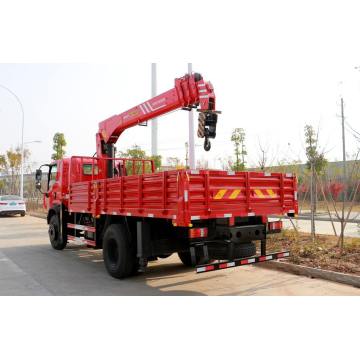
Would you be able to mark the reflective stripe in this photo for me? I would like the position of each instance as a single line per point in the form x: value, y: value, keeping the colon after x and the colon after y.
x: 259, y: 193
x: 234, y: 194
x: 227, y: 215
x: 251, y: 214
x: 203, y: 96
x: 151, y: 215
x: 271, y: 192
x: 202, y: 91
x: 195, y: 217
x: 219, y: 195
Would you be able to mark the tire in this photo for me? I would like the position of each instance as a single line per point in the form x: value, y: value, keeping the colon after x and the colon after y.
x: 241, y: 250
x: 164, y: 256
x: 118, y: 252
x: 185, y: 258
x: 246, y: 250
x: 54, y: 234
x: 22, y: 214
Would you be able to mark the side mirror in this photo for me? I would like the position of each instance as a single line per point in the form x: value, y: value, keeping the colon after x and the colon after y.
x: 38, y: 175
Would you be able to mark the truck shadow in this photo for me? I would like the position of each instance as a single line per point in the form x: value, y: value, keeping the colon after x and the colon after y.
x: 80, y: 271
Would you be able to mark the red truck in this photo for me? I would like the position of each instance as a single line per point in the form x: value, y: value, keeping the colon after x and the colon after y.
x: 211, y: 218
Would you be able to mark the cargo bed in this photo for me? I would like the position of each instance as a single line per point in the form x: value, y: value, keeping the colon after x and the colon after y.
x: 187, y: 195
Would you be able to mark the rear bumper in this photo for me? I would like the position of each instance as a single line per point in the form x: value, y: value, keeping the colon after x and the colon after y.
x: 240, y: 262
x: 12, y: 212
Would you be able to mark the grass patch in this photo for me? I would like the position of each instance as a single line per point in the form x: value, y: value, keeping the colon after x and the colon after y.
x: 323, y: 253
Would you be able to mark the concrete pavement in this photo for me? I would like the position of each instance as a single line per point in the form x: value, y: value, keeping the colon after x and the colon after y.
x: 29, y: 266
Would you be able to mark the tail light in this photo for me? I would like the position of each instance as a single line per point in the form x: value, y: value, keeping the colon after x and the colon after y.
x: 2, y: 203
x: 21, y: 203
x: 274, y: 226
x: 198, y: 233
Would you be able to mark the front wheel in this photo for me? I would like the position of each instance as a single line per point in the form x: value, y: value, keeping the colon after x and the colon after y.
x: 56, y: 241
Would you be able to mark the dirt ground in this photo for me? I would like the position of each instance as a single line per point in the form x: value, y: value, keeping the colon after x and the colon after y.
x: 323, y: 253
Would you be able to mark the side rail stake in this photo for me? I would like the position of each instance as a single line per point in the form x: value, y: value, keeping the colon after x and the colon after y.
x: 239, y: 262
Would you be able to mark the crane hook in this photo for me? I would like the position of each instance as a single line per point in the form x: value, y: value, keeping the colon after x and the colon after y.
x: 207, y: 144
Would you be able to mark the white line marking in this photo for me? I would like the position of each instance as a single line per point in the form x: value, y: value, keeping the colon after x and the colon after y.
x: 149, y: 105
x: 142, y: 109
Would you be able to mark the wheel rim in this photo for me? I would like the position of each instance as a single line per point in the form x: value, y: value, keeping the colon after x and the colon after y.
x: 52, y: 233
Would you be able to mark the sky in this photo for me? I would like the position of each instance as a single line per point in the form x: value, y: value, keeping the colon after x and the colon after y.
x: 274, y: 70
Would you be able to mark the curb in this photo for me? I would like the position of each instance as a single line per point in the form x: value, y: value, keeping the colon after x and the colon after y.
x: 38, y: 215
x: 353, y: 280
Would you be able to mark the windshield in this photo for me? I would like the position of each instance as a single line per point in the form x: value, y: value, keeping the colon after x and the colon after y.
x: 10, y: 197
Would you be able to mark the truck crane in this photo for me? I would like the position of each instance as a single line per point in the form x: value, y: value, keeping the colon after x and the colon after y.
x: 210, y: 218
x: 190, y: 91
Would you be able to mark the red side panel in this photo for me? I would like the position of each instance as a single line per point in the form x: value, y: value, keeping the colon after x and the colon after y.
x: 185, y: 196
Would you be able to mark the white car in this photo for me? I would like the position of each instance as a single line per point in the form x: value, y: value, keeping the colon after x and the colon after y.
x: 12, y: 205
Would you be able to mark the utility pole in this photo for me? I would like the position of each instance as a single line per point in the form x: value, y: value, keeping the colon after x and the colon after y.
x: 186, y: 155
x: 312, y: 201
x: 191, y: 132
x: 154, y: 123
x: 344, y: 175
x: 21, y: 191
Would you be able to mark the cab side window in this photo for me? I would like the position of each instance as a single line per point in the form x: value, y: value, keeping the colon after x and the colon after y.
x: 52, y: 175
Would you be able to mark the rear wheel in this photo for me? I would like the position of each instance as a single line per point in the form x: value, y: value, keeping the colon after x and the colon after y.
x: 54, y: 233
x: 119, y: 253
x: 22, y: 213
x: 185, y: 258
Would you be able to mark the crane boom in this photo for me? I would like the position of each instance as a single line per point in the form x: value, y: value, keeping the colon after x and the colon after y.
x: 190, y: 91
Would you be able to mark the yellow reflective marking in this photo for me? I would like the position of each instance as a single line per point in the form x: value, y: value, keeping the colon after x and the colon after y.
x: 271, y: 193
x: 259, y: 193
x: 234, y: 194
x: 219, y: 195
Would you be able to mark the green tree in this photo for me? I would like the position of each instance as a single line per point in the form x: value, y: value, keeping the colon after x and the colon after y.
x: 2, y: 164
x: 157, y: 161
x: 10, y: 165
x: 312, y: 151
x: 135, y: 152
x: 238, y: 138
x: 59, y: 144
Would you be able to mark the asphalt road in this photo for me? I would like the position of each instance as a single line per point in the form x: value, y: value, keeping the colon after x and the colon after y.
x: 29, y: 266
